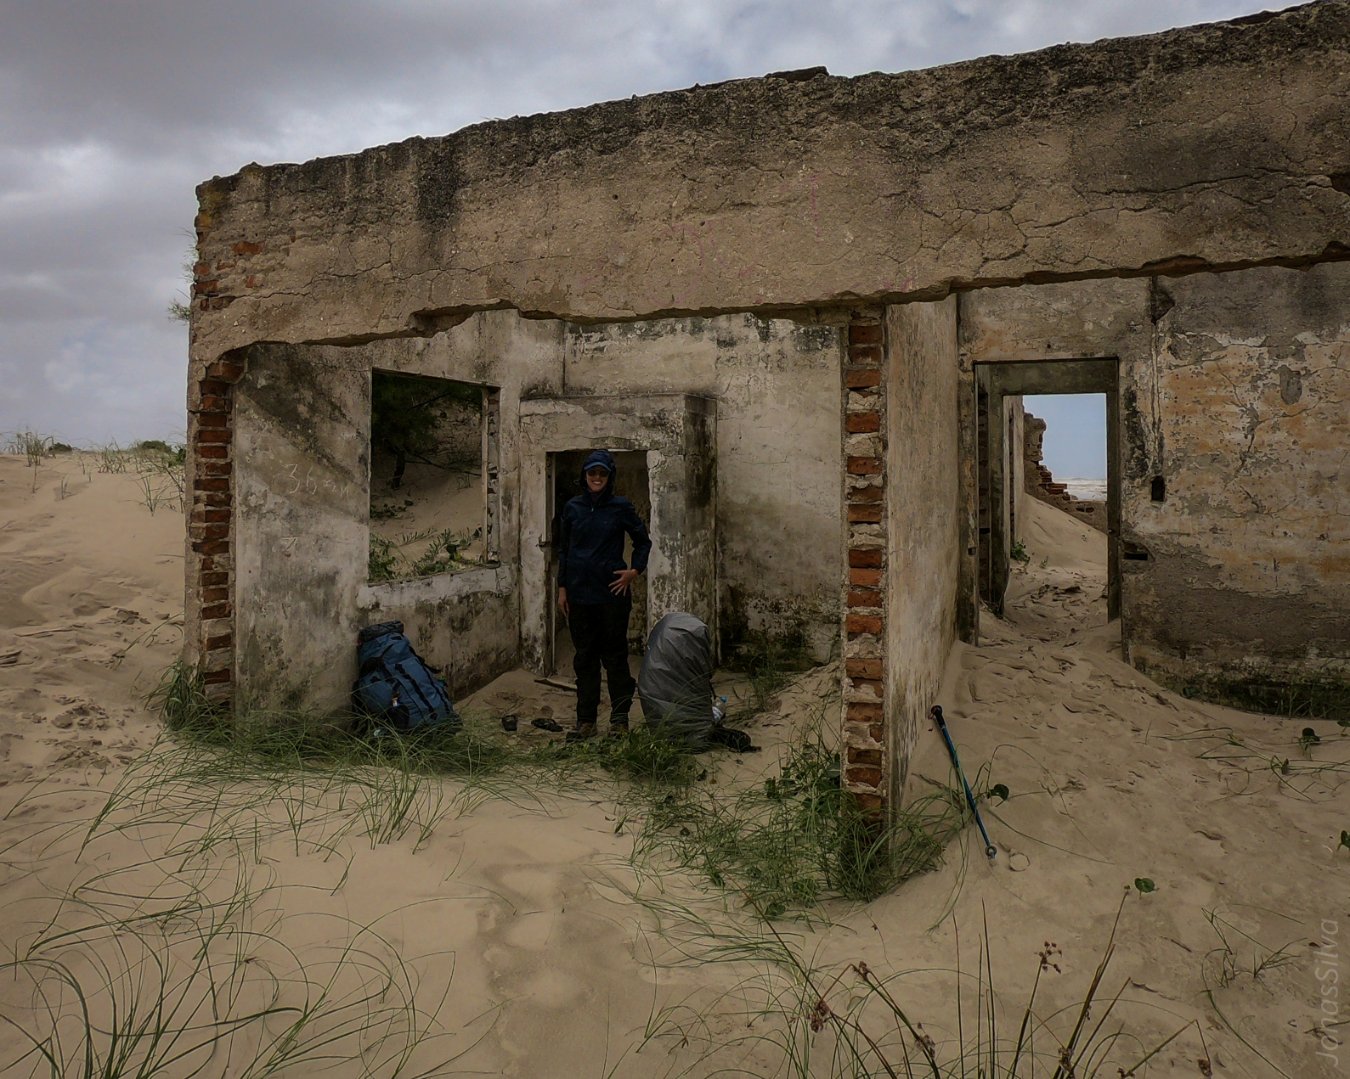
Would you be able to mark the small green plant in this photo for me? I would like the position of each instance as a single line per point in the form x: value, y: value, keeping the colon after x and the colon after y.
x: 770, y: 659
x: 33, y: 446
x: 1223, y: 965
x: 1307, y: 739
x: 383, y: 560
x: 112, y: 458
x: 1144, y: 885
x: 1345, y: 840
x: 442, y: 555
x: 389, y: 511
x: 874, y: 1033
x: 800, y: 837
x: 1019, y: 553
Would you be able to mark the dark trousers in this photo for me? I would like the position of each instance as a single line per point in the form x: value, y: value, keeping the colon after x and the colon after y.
x: 600, y: 634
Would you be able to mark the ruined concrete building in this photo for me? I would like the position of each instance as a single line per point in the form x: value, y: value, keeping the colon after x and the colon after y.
x: 799, y: 307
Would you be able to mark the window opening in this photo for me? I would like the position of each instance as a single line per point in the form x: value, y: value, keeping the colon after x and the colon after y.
x: 432, y: 447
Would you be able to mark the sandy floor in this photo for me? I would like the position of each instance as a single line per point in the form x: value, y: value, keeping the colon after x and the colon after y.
x: 509, y: 929
x: 429, y: 502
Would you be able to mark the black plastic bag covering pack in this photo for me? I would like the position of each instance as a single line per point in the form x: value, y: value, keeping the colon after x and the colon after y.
x: 675, y: 682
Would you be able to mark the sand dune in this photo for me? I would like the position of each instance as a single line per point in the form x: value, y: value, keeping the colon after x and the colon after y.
x: 509, y: 928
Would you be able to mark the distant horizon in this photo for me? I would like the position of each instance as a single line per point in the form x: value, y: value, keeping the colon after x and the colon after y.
x: 1075, y: 433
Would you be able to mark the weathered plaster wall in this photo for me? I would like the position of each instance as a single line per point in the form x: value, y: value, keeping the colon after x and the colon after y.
x: 1068, y: 321
x: 778, y: 500
x: 923, y: 516
x: 1248, y: 581
x: 300, y: 535
x: 1213, y: 145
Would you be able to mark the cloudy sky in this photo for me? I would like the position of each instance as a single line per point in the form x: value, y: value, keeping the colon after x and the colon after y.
x: 111, y: 111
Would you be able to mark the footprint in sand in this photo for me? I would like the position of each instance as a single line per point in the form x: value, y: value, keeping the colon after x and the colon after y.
x: 85, y: 715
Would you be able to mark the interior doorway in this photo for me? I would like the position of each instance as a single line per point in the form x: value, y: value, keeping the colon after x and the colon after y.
x: 564, y: 482
x: 1001, y: 482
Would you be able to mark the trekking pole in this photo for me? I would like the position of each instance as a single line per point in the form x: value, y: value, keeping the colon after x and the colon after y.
x: 990, y: 851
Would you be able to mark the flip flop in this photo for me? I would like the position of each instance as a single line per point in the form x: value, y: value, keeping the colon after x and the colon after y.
x: 550, y: 725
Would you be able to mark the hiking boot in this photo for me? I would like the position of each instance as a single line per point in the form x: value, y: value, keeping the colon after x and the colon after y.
x: 618, y: 728
x: 582, y: 732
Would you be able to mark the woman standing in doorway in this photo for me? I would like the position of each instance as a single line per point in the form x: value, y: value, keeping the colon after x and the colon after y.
x: 594, y: 590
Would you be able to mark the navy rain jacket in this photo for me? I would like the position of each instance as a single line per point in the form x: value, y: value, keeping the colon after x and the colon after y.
x: 591, y: 539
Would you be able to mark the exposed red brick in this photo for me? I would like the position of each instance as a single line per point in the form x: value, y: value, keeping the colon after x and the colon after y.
x: 252, y: 281
x: 219, y: 303
x: 876, y: 732
x: 218, y: 452
x: 201, y: 269
x: 228, y: 370
x: 214, y: 578
x: 868, y: 578
x: 864, y: 668
x: 869, y: 803
x: 864, y: 597
x: 213, y: 419
x: 246, y: 247
x: 213, y: 387
x: 865, y: 775
x: 215, y: 469
x: 867, y: 494
x: 205, y: 287
x: 215, y: 595
x: 862, y: 623
x: 862, y: 422
x: 864, y: 756
x: 864, y: 333
x: 857, y: 556
x: 225, y: 640
x: 211, y: 483
x: 216, y: 610
x: 865, y: 466
x: 862, y: 378
x: 865, y: 355
x: 214, y: 403
x: 217, y: 499
x: 215, y: 678
x: 863, y: 712
x: 865, y: 514
x: 224, y: 264
x: 218, y: 435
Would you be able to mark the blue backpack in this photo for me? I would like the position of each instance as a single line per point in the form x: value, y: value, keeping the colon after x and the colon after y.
x: 395, y: 686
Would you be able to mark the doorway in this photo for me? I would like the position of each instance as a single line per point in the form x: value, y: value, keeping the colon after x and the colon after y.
x: 564, y: 481
x: 999, y: 388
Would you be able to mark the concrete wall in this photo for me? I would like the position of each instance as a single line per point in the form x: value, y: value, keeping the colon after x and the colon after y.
x: 779, y: 510
x: 1215, y: 145
x: 1246, y: 591
x: 300, y: 528
x: 923, y: 511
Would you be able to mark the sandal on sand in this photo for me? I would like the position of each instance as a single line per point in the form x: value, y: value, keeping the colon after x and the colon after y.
x: 550, y: 725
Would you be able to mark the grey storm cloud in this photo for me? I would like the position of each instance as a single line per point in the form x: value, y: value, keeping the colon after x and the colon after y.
x: 111, y: 111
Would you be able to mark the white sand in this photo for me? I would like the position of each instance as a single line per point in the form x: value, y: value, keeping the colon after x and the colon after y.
x: 509, y: 920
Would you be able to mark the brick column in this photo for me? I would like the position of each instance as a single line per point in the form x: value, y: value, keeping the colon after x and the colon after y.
x: 865, y: 763
x: 210, y: 517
